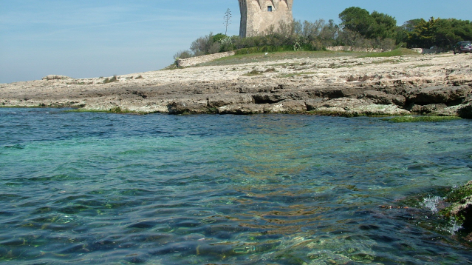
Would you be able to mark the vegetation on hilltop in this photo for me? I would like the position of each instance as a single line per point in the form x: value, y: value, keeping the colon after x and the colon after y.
x: 358, y: 28
x: 245, y: 58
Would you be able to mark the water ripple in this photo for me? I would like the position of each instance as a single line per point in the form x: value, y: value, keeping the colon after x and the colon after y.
x: 281, y: 189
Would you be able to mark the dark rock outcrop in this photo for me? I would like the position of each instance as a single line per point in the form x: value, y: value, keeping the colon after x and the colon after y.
x: 439, y: 94
x: 465, y: 111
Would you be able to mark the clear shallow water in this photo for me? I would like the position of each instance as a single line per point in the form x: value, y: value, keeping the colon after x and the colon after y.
x: 89, y: 188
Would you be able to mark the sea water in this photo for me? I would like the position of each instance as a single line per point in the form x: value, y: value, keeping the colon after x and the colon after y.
x: 98, y: 188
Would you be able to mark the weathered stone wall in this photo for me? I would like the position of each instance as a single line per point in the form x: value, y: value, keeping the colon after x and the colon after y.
x: 258, y: 16
x: 202, y: 59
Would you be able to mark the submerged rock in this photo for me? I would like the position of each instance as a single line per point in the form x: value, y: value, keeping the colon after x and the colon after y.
x: 461, y: 208
x: 449, y: 210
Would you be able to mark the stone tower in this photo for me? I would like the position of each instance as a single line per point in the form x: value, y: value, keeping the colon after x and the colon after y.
x: 258, y: 15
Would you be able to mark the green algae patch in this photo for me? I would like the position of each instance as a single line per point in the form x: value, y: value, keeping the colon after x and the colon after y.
x: 446, y: 210
x: 461, y: 205
x: 399, y: 119
x: 458, y: 194
x: 115, y: 110
x: 346, y: 114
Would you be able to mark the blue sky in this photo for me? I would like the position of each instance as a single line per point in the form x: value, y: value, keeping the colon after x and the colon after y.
x: 92, y: 38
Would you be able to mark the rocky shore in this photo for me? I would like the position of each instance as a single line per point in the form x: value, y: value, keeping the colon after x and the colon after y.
x: 422, y: 84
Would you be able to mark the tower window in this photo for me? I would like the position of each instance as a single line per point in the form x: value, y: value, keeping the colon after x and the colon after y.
x: 269, y: 8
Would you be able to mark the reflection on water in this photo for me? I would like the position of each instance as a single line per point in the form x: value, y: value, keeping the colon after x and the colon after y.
x: 94, y: 188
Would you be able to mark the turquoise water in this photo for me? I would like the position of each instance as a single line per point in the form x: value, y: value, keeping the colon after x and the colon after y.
x: 90, y: 188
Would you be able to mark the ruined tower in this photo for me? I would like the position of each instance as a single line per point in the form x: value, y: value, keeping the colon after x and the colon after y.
x: 258, y: 15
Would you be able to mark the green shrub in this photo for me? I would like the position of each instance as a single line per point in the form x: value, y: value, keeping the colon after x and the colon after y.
x: 110, y: 80
x: 183, y: 55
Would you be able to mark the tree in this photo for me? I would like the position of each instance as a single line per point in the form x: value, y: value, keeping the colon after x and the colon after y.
x: 358, y: 20
x: 450, y: 31
x: 407, y: 28
x: 329, y: 33
x: 384, y: 27
x: 411, y: 24
x: 371, y: 26
x: 227, y: 20
x: 311, y: 31
x: 424, y: 34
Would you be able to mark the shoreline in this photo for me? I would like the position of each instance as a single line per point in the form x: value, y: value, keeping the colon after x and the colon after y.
x: 438, y: 84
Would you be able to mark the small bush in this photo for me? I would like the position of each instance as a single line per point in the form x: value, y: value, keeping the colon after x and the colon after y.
x: 183, y: 55
x: 110, y: 80
x: 207, y: 44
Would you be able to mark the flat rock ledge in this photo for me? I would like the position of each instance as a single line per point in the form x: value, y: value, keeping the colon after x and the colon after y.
x: 348, y: 86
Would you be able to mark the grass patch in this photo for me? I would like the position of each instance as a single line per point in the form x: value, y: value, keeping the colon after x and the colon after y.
x: 397, y: 52
x: 294, y: 74
x: 275, y: 56
x: 423, y: 65
x: 386, y: 61
x: 264, y: 49
x: 253, y: 73
x: 421, y: 119
x: 245, y: 58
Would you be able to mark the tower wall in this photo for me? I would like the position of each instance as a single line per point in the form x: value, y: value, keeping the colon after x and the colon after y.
x: 257, y: 16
